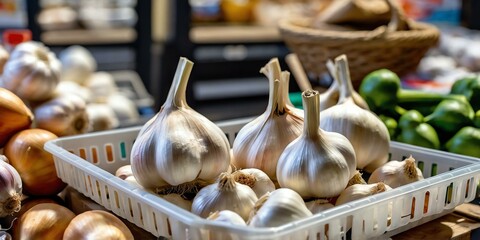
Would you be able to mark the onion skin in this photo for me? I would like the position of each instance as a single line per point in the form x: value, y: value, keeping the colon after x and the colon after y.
x: 97, y: 224
x: 15, y: 115
x: 43, y: 221
x: 34, y: 164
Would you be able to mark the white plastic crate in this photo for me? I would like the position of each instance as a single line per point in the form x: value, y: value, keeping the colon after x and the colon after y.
x: 454, y: 183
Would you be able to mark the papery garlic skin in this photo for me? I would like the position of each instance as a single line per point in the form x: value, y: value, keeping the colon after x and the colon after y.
x: 178, y: 200
x: 64, y: 116
x: 279, y: 207
x: 179, y: 146
x: 255, y: 179
x: 367, y: 133
x: 32, y: 71
x: 260, y: 142
x: 10, y: 189
x: 318, y: 164
x: 356, y: 179
x: 397, y: 173
x: 318, y: 205
x: 225, y: 194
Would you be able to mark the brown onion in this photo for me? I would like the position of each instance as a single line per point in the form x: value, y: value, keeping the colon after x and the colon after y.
x: 14, y: 115
x: 43, y: 221
x: 34, y: 164
x: 97, y: 224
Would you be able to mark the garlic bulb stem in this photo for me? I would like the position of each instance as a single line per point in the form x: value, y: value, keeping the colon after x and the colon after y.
x: 356, y: 179
x: 180, y: 80
x: 343, y: 73
x: 312, y: 118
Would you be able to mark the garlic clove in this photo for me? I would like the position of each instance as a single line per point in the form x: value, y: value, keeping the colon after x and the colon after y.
x: 255, y: 179
x: 225, y: 194
x: 279, y: 207
x: 397, y: 173
x: 358, y: 191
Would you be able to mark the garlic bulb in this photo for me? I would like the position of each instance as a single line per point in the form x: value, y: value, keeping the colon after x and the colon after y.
x: 101, y: 117
x: 366, y: 132
x: 15, y: 115
x: 359, y: 191
x: 3, y: 58
x: 102, y: 85
x: 64, y: 116
x: 97, y: 224
x: 356, y: 179
x: 125, y: 109
x: 68, y: 88
x: 179, y: 147
x: 316, y: 157
x: 279, y: 207
x: 10, y: 189
x: 225, y: 194
x: 77, y: 64
x: 260, y: 142
x: 318, y: 205
x: 124, y: 172
x: 32, y: 72
x: 225, y: 216
x: 255, y: 179
x: 397, y: 173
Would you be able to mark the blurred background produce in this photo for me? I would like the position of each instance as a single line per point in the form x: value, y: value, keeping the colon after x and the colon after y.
x: 104, y: 65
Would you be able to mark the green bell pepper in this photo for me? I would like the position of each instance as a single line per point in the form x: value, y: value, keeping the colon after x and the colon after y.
x: 470, y: 88
x: 466, y: 142
x: 450, y: 116
x: 391, y: 125
x: 382, y: 91
x: 413, y: 130
x: 476, y: 119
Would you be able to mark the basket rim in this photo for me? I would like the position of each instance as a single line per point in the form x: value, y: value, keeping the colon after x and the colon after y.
x: 289, y: 29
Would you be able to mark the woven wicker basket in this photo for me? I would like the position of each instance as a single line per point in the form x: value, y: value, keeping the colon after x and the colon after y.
x: 383, y: 47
